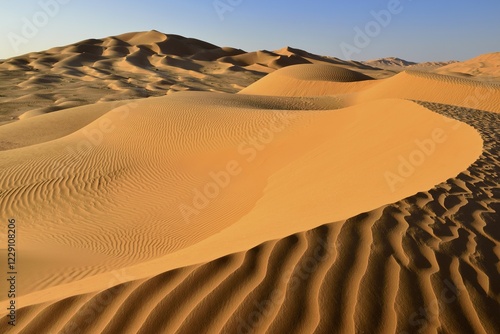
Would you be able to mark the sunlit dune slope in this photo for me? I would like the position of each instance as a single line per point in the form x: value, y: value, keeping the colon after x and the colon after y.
x: 437, y: 88
x: 228, y: 170
x: 313, y: 80
x: 53, y: 125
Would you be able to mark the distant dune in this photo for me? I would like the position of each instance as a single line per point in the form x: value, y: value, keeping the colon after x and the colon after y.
x: 136, y: 65
x: 325, y: 196
x: 306, y: 80
x: 485, y: 66
x: 389, y: 62
x: 398, y: 64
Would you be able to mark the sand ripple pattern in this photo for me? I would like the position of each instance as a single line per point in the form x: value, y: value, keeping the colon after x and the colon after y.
x: 428, y: 263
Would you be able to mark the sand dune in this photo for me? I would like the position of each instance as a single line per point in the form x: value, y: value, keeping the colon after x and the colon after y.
x: 113, y: 62
x: 422, y: 86
x: 323, y: 73
x: 172, y: 164
x: 304, y: 80
x: 141, y: 58
x: 318, y: 200
x: 398, y: 65
x: 410, y: 85
x: 266, y: 58
x: 393, y: 245
x: 485, y: 67
x: 390, y: 62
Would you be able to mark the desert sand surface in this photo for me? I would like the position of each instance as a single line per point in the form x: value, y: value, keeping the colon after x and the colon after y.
x: 484, y: 67
x: 396, y: 65
x: 162, y: 184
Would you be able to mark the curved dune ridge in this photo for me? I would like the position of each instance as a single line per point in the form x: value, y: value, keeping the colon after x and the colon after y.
x: 320, y: 209
x: 307, y: 80
x: 322, y: 73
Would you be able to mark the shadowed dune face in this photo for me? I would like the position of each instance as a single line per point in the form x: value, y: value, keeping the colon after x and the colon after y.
x: 317, y: 200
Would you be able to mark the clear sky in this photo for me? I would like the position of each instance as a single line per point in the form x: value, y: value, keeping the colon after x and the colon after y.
x: 415, y: 30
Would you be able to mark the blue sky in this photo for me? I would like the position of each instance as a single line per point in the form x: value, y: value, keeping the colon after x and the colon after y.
x: 416, y: 30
